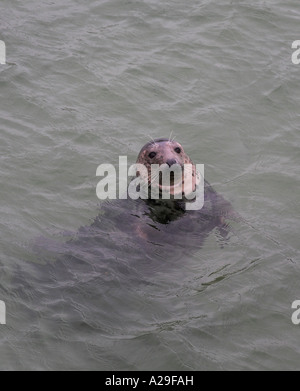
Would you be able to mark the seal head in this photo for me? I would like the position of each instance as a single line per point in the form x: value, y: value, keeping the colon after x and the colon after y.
x: 168, y: 155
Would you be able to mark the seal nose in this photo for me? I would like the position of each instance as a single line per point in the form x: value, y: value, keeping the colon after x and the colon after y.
x: 171, y: 162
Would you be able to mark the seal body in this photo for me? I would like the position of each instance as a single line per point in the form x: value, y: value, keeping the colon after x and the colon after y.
x: 167, y: 218
x: 156, y: 228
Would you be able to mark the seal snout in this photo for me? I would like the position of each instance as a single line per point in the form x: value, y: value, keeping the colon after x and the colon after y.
x: 171, y: 162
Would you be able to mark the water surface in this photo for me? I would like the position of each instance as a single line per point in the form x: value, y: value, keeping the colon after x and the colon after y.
x: 85, y: 83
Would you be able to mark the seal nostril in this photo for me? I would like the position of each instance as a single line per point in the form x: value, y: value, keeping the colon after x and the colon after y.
x: 171, y: 162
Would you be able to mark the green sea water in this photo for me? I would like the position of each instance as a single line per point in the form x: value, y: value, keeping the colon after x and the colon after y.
x: 86, y: 82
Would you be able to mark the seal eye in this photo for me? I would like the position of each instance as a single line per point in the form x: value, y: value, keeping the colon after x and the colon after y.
x: 152, y: 155
x: 178, y: 150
